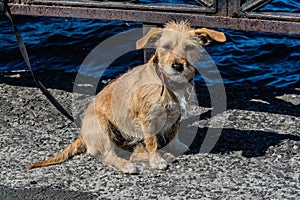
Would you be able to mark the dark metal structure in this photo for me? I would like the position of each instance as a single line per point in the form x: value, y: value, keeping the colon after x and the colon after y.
x: 228, y: 14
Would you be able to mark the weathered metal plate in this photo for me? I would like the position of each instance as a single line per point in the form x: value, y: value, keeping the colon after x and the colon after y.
x: 202, y: 6
x: 227, y: 15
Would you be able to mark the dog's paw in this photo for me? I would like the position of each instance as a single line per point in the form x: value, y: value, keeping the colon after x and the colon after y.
x: 161, y: 165
x: 170, y: 158
x: 129, y: 168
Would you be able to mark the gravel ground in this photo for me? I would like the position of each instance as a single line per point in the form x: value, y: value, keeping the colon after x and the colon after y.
x: 256, y: 157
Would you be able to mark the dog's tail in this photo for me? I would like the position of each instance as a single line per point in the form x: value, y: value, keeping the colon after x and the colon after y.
x: 75, y: 148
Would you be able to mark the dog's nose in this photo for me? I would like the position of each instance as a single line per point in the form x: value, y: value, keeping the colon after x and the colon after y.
x: 177, y: 66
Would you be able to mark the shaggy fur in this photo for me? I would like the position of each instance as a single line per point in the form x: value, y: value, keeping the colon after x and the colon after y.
x: 141, y: 110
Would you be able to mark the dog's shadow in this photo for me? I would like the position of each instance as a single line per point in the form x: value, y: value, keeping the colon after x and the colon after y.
x: 250, y: 143
x: 263, y: 99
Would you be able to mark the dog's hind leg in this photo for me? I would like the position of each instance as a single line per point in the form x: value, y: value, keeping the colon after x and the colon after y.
x: 95, y: 133
x: 123, y: 165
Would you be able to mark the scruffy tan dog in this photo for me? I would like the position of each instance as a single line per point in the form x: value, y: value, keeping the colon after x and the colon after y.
x: 141, y: 110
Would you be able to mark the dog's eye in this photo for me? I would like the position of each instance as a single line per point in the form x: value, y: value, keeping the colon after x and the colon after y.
x: 205, y: 39
x: 190, y: 47
x: 166, y: 47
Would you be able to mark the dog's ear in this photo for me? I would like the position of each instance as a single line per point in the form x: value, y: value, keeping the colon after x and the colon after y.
x: 151, y: 37
x: 207, y: 36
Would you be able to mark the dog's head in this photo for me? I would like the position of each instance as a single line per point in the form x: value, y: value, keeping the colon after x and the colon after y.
x: 177, y: 48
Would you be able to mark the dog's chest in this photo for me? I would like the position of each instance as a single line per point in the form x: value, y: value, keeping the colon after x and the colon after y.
x: 160, y: 121
x: 158, y: 117
x: 183, y: 100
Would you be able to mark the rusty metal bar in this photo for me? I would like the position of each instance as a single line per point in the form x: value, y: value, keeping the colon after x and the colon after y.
x: 254, y: 5
x: 222, y: 8
x: 208, y: 3
x: 197, y: 15
x: 233, y: 8
x: 271, y: 15
x: 208, y: 7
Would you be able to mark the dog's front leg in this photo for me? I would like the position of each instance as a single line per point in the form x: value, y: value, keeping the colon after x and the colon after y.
x: 155, y: 160
x: 153, y: 121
